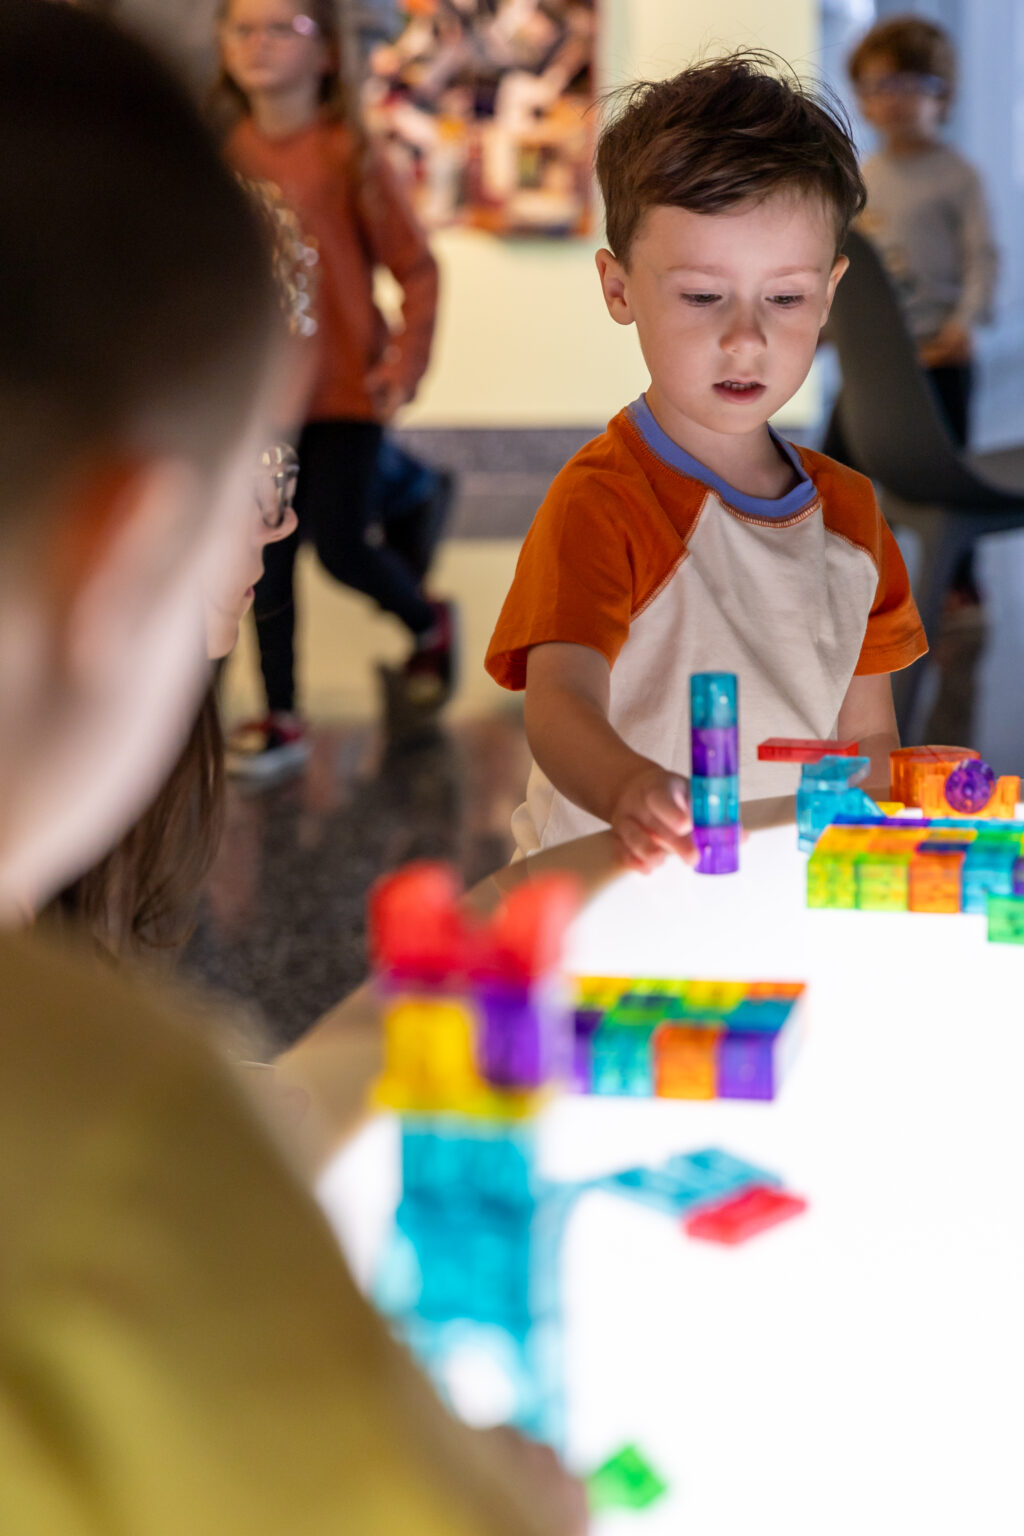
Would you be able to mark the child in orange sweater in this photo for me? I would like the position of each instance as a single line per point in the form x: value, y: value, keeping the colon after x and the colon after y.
x: 295, y: 129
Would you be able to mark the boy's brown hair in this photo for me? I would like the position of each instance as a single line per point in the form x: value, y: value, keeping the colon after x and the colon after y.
x: 913, y: 45
x: 722, y: 132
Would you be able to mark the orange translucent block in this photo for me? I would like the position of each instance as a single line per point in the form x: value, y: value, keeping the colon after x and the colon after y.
x: 909, y: 765
x: 935, y: 882
x: 770, y: 989
x: 684, y: 1062
x: 1002, y: 806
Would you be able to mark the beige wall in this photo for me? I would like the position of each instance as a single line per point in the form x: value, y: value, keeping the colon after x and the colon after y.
x: 523, y: 337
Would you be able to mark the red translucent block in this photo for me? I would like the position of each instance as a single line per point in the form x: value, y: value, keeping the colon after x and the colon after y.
x: 419, y: 930
x: 415, y: 926
x: 526, y: 936
x: 744, y: 1216
x: 788, y: 749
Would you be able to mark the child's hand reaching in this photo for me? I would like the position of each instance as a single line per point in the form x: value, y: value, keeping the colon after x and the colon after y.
x: 651, y: 818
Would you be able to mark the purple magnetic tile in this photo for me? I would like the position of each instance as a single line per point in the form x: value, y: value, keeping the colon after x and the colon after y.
x: 1018, y: 877
x: 715, y: 752
x: 511, y: 1052
x: 586, y: 1022
x: 719, y: 849
x: 746, y: 1066
x: 970, y: 786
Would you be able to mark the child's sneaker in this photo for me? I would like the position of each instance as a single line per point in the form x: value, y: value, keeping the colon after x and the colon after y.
x: 431, y: 672
x: 268, y: 749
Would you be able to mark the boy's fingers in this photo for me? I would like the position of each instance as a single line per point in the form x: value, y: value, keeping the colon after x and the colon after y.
x: 669, y: 811
x: 640, y: 846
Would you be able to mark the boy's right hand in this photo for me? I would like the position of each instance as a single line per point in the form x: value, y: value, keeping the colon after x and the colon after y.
x: 651, y: 818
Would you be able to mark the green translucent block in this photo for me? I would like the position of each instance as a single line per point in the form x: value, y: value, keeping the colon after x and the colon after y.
x: 626, y: 1481
x: 1006, y: 919
x: 842, y: 898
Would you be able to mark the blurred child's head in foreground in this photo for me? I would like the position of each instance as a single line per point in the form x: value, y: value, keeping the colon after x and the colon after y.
x: 137, y: 329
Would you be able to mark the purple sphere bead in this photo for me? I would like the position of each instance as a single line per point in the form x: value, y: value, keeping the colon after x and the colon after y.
x: 970, y: 786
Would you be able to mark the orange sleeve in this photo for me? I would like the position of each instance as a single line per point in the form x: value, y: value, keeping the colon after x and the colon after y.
x: 397, y: 241
x: 894, y: 637
x: 575, y: 580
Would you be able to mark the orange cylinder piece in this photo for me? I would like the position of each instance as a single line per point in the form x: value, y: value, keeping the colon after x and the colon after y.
x: 908, y: 766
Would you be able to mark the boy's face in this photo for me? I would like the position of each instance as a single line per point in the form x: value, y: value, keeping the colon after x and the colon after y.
x: 728, y: 308
x: 906, y: 109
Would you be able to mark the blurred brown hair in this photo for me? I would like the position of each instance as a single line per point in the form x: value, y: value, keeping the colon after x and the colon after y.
x: 914, y: 47
x: 136, y: 307
x: 721, y: 132
x: 142, y: 898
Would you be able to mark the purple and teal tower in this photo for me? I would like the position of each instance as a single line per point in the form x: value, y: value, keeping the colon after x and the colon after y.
x: 714, y: 772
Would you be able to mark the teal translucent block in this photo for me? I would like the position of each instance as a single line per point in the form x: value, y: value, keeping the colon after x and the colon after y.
x: 715, y: 802
x: 712, y: 700
x: 827, y: 791
x: 622, y: 1060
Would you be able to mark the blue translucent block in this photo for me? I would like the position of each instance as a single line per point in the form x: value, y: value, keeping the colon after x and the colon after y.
x: 712, y: 700
x: 765, y: 1015
x: 621, y: 1061
x: 827, y: 793
x: 688, y: 1181
x: 714, y: 753
x: 715, y: 802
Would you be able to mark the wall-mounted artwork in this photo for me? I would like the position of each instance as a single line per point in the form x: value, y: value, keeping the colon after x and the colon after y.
x: 485, y: 107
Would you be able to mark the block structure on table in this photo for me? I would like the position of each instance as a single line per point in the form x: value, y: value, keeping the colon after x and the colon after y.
x: 714, y: 772
x: 679, y: 1039
x: 481, y: 1031
x: 918, y: 865
x: 477, y: 1037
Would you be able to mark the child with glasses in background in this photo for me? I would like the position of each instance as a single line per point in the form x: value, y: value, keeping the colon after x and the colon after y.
x: 926, y: 211
x: 293, y: 125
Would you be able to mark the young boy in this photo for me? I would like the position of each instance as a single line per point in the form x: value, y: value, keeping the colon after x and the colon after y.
x: 690, y: 536
x: 182, y: 1349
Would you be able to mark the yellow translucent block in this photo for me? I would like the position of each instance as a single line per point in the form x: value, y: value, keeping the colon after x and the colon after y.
x: 430, y: 1044
x: 600, y: 991
x: 480, y: 1102
x: 891, y: 807
x: 839, y: 839
x: 715, y: 996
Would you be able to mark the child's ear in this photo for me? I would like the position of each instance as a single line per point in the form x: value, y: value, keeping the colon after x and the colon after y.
x: 615, y: 287
x: 839, y: 267
x: 116, y: 550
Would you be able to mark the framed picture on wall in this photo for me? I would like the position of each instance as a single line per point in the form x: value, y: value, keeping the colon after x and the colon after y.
x: 485, y: 107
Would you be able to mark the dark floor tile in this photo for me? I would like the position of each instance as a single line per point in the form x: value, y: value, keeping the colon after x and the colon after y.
x: 283, y: 920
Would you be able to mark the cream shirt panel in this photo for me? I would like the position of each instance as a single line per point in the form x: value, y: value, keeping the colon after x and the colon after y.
x: 783, y: 605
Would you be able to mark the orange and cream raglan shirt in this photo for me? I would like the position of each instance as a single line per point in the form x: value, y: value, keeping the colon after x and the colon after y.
x: 646, y: 556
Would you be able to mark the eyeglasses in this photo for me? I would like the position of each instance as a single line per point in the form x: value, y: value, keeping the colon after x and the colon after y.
x: 277, y: 473
x: 273, y: 31
x: 903, y: 85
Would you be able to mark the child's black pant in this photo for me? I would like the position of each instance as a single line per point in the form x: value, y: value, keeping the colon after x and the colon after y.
x: 334, y: 505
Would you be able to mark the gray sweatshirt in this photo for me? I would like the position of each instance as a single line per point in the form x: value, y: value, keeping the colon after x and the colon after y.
x: 926, y: 213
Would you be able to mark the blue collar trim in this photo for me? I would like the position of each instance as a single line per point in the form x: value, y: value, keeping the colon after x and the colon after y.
x: 776, y: 508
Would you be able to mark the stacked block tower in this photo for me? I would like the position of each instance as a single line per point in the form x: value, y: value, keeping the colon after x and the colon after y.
x: 714, y: 772
x: 477, y: 1038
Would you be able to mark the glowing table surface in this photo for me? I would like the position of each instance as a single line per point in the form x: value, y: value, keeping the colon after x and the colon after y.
x: 860, y: 1369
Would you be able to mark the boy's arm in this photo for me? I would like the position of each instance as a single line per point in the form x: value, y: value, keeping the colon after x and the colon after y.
x: 867, y: 716
x: 567, y: 697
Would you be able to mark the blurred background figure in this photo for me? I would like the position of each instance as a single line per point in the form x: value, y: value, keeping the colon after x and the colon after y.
x: 927, y: 214
x: 295, y: 126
